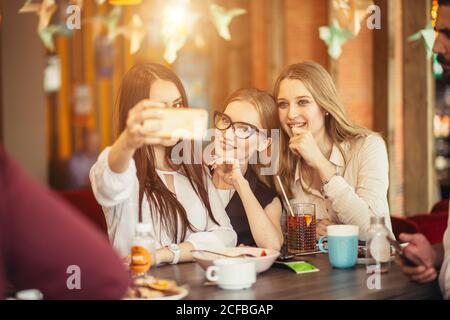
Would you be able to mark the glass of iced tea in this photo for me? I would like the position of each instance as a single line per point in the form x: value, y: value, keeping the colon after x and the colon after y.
x: 302, y: 228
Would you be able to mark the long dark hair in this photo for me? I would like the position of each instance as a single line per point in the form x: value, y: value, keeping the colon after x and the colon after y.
x: 136, y: 87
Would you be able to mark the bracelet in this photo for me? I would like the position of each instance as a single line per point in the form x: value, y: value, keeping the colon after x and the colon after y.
x: 322, y: 188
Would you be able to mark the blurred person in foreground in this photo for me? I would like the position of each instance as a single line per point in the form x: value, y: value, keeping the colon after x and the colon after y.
x: 43, y: 240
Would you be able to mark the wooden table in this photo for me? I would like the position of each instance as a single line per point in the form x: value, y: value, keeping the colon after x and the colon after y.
x: 284, y: 284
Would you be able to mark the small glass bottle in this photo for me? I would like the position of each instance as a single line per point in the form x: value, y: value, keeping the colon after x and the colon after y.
x: 143, y: 250
x: 378, y: 248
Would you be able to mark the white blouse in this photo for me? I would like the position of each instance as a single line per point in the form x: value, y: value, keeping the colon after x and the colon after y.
x: 358, y: 191
x: 225, y: 195
x: 118, y: 194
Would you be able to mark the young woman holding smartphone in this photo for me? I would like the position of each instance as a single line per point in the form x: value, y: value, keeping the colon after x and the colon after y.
x: 136, y: 180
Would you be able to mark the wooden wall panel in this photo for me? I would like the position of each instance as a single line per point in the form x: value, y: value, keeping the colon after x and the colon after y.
x: 302, y: 22
x: 418, y: 112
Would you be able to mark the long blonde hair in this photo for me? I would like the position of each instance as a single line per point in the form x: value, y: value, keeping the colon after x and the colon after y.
x: 338, y: 126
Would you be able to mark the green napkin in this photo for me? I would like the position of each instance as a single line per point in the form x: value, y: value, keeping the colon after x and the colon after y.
x: 300, y: 266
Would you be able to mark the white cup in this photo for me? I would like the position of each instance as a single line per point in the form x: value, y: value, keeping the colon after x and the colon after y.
x: 232, y: 274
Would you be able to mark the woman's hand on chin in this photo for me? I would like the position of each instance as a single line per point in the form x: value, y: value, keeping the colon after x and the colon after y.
x: 229, y: 171
x: 305, y: 146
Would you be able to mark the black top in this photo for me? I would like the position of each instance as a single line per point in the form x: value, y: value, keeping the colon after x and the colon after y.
x: 236, y: 212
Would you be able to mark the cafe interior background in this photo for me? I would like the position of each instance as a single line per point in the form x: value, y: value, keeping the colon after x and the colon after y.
x: 58, y: 85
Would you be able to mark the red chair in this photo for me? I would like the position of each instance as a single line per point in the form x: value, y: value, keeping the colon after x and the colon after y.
x: 432, y: 225
x: 403, y: 225
x: 86, y: 203
x: 440, y: 206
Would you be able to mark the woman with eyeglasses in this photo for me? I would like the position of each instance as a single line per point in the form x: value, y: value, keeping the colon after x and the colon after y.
x: 244, y: 146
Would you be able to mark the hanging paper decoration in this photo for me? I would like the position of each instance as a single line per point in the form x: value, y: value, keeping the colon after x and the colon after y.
x: 135, y: 32
x: 49, y: 32
x: 110, y: 22
x: 222, y: 19
x: 428, y: 36
x: 44, y: 10
x: 335, y: 37
x: 29, y: 7
x: 351, y: 13
x: 177, y: 22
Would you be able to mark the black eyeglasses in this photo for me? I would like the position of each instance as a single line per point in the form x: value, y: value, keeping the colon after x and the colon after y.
x: 242, y: 130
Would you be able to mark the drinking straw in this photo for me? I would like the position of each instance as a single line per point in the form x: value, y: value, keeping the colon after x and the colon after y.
x: 285, y: 196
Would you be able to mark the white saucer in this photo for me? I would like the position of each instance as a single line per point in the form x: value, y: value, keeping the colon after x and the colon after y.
x: 183, y: 293
x: 235, y: 286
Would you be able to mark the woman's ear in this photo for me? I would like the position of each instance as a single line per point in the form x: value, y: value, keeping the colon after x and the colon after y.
x: 264, y: 144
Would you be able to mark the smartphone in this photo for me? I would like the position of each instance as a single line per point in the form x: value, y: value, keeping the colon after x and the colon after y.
x: 399, y: 251
x: 183, y: 123
x: 288, y: 256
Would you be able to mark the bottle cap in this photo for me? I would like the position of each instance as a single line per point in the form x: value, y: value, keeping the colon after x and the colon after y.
x: 31, y: 294
x: 143, y: 227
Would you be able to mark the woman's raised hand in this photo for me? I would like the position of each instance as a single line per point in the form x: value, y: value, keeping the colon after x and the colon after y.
x: 305, y: 146
x: 143, y: 121
x: 228, y: 170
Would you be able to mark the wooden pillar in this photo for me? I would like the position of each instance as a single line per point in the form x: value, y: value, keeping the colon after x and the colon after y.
x: 259, y: 40
x: 276, y: 43
x: 332, y: 63
x: 23, y: 114
x: 418, y: 101
x: 239, y: 60
x: 218, y: 86
x: 384, y: 86
x: 230, y: 60
x: 382, y: 63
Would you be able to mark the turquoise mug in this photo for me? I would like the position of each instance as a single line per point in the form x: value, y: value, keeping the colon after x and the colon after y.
x: 342, y: 246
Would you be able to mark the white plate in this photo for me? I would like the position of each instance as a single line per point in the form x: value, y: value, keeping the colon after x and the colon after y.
x: 183, y: 293
x: 205, y: 259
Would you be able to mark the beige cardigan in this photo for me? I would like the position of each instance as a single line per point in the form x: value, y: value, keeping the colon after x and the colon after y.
x: 358, y: 191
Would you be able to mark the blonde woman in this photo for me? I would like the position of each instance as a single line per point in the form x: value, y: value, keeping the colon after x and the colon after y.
x: 243, y: 130
x: 328, y: 160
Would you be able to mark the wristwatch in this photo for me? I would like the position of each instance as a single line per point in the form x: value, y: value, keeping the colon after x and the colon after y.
x: 175, y: 249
